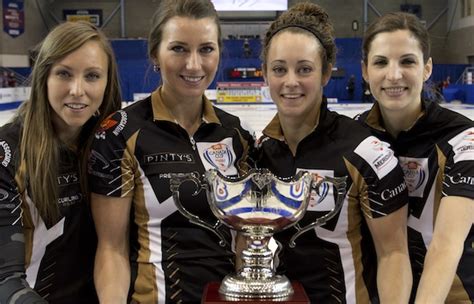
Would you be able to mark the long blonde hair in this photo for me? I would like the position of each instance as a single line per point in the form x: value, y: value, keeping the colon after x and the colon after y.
x: 39, y: 145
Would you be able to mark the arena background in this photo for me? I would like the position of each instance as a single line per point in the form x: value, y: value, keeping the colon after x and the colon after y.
x: 126, y: 22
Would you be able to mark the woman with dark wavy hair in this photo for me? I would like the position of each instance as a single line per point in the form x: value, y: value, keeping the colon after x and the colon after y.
x: 360, y: 255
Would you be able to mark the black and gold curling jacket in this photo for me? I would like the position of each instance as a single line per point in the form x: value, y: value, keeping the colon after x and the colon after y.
x: 55, y: 260
x: 437, y: 157
x: 337, y: 262
x: 134, y: 154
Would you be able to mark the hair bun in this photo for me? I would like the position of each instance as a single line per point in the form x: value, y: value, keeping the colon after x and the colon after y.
x: 310, y: 10
x: 308, y: 17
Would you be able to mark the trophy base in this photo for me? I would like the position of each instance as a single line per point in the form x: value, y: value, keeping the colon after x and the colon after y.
x: 237, y: 286
x: 212, y: 296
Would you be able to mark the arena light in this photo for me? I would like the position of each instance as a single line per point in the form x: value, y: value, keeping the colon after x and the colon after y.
x: 250, y: 5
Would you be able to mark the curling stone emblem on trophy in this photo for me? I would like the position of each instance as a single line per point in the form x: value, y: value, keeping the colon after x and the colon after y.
x: 257, y: 205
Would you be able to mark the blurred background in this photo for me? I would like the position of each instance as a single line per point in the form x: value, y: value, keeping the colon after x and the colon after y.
x: 238, y: 84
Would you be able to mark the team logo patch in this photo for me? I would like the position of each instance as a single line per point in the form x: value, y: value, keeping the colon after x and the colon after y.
x: 463, y: 145
x: 219, y: 155
x: 323, y: 198
x: 378, y: 155
x: 416, y: 174
x: 5, y: 153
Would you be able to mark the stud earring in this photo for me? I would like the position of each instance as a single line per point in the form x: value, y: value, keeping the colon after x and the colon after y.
x: 156, y: 68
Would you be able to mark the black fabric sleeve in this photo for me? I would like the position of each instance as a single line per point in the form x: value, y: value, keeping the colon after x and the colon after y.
x: 13, y: 287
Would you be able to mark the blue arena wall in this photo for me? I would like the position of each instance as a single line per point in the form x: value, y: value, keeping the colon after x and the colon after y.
x: 137, y: 75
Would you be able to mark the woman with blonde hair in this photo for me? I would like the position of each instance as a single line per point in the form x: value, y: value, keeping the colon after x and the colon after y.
x: 47, y: 240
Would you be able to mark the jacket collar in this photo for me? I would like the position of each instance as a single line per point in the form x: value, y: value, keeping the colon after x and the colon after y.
x: 374, y: 117
x: 161, y: 112
x: 274, y: 130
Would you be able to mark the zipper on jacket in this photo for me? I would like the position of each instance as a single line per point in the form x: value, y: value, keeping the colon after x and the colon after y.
x: 193, y: 142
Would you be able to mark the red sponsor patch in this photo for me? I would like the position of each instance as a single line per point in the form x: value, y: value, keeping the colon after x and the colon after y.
x: 107, y: 124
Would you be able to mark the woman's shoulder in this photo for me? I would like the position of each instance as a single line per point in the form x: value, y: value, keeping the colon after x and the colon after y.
x: 227, y: 118
x: 440, y: 114
x: 139, y: 110
x: 231, y: 121
x: 9, y: 141
x: 127, y: 120
x: 444, y: 123
x: 10, y: 133
x: 347, y: 128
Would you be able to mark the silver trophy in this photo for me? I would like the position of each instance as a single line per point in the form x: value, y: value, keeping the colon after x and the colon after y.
x: 257, y: 205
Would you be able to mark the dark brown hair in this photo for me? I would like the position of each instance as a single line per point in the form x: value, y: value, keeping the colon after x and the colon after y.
x: 168, y: 9
x: 307, y: 18
x: 392, y: 22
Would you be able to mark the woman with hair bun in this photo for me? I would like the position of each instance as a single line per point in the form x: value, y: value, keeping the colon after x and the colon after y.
x: 360, y: 255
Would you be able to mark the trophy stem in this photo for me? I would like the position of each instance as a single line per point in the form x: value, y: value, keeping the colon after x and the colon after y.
x: 256, y: 278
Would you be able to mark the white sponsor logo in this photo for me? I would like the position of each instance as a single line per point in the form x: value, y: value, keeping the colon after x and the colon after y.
x: 70, y: 200
x: 218, y: 155
x: 391, y: 193
x: 459, y: 179
x: 416, y: 174
x: 463, y: 145
x: 168, y: 157
x: 122, y: 123
x: 6, y: 157
x: 68, y: 179
x: 378, y: 155
x: 194, y: 174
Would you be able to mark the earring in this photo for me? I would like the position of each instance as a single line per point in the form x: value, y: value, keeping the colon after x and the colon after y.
x: 156, y: 68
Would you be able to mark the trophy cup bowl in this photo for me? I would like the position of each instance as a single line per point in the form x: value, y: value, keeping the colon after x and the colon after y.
x: 257, y: 205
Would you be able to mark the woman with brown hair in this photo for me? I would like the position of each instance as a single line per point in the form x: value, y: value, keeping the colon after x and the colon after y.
x: 360, y: 255
x: 176, y: 130
x: 435, y: 148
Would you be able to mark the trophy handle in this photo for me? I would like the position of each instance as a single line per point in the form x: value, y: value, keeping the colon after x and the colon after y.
x: 340, y: 185
x: 175, y: 182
